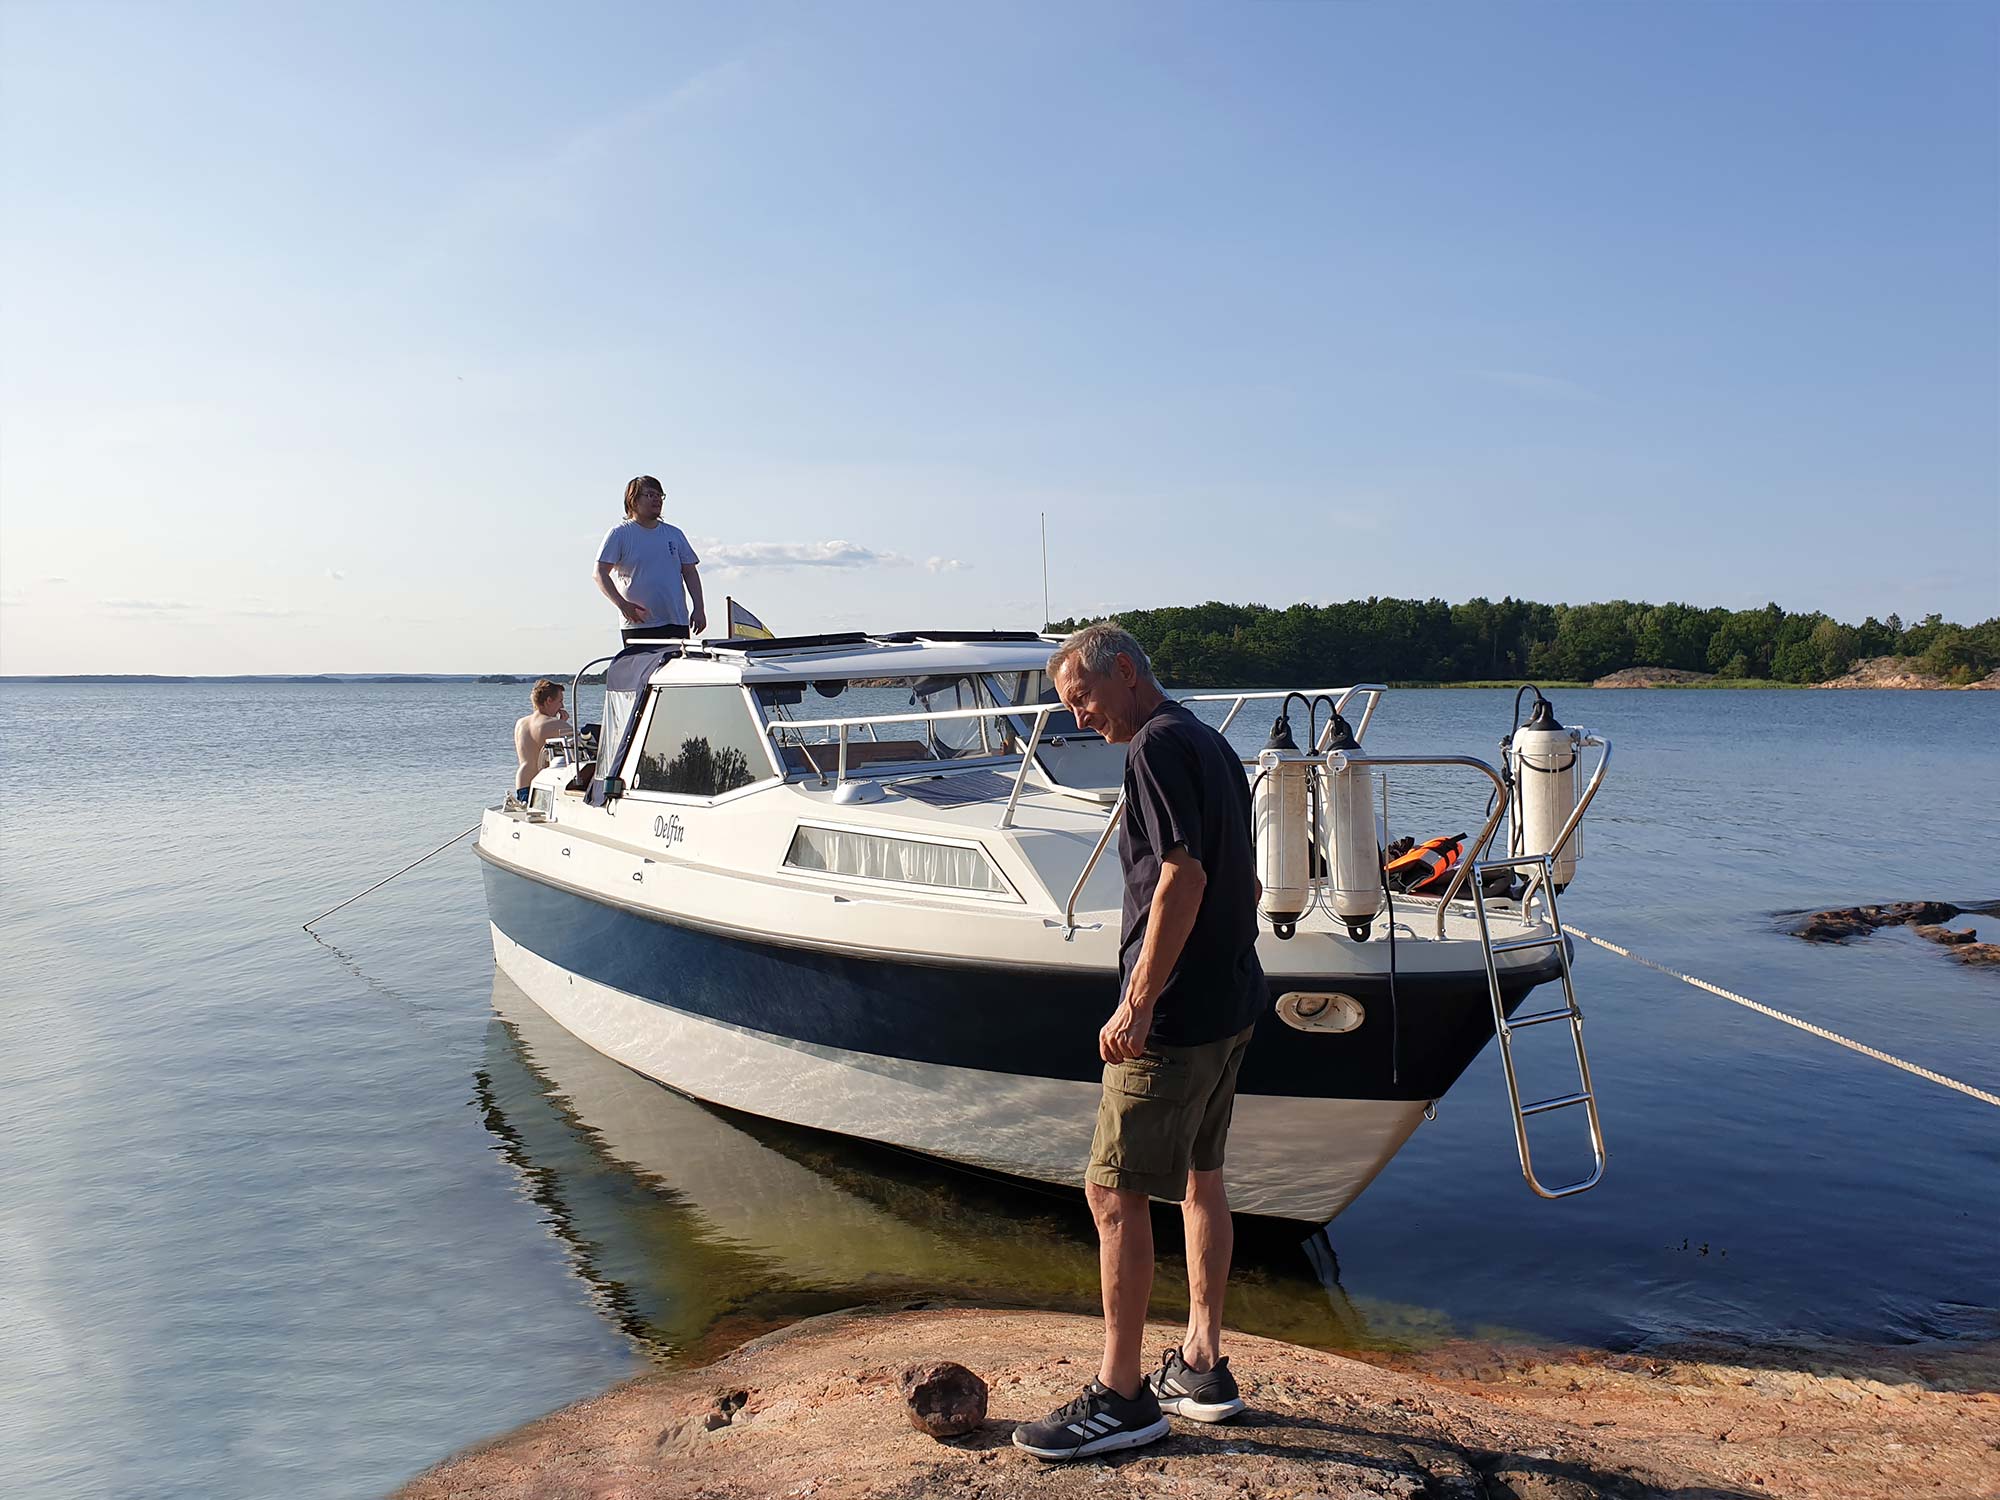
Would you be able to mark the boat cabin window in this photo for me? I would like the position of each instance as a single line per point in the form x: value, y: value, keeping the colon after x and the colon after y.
x: 874, y: 856
x: 700, y: 742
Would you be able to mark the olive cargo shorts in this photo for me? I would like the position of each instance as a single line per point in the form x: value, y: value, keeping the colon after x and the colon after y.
x: 1164, y: 1112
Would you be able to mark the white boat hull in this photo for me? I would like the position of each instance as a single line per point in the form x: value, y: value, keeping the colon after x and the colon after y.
x: 1289, y: 1157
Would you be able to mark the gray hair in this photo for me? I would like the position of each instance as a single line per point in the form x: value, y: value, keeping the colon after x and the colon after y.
x: 1097, y: 647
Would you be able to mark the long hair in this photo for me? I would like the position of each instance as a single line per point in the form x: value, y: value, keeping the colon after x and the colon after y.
x: 637, y: 487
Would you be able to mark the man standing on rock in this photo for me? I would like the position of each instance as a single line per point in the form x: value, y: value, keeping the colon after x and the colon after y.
x: 1191, y: 992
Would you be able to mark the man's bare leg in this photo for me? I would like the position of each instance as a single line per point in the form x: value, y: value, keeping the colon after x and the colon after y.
x: 1125, y: 1267
x: 1211, y: 1241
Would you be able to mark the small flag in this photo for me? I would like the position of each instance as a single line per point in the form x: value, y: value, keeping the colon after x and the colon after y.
x: 745, y: 626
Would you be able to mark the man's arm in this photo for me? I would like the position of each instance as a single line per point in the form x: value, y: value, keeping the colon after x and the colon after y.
x: 1176, y: 903
x: 633, y: 614
x: 697, y: 615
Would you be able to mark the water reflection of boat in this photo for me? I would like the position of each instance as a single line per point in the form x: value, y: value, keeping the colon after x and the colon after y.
x: 692, y: 1226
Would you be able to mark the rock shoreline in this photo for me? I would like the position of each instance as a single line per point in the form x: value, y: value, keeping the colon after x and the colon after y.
x: 1896, y: 672
x: 1925, y: 918
x: 814, y: 1410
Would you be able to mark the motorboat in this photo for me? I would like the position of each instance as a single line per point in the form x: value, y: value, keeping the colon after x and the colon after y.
x: 858, y: 883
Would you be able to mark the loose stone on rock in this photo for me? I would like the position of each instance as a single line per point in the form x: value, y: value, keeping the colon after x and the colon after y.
x: 943, y: 1399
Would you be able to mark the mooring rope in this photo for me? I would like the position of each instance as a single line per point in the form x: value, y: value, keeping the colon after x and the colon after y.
x: 1777, y: 1015
x: 387, y: 878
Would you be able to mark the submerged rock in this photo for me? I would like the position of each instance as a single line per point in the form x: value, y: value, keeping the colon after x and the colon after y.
x: 1841, y: 923
x: 1925, y: 918
x: 944, y: 1399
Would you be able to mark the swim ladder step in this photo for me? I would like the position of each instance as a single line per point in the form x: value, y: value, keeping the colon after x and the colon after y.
x: 1540, y: 1017
x: 1561, y: 1101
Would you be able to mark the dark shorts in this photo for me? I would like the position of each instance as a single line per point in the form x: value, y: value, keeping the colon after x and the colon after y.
x: 654, y: 633
x: 1164, y: 1113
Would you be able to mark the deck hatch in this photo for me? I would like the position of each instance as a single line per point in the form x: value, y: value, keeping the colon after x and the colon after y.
x: 960, y: 790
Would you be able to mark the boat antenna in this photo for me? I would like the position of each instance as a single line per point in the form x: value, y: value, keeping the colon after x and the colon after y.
x: 1045, y: 570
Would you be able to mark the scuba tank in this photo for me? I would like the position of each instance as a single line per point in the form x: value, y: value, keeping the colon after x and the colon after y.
x: 1542, y: 760
x: 1281, y: 826
x: 1353, y: 857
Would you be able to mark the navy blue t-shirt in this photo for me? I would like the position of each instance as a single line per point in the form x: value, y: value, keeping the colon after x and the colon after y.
x: 1185, y: 787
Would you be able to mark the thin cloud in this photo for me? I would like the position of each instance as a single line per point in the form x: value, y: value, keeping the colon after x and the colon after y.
x: 148, y: 606
x: 335, y: 574
x: 738, y: 556
x: 945, y: 565
x: 553, y: 183
x: 1545, y: 387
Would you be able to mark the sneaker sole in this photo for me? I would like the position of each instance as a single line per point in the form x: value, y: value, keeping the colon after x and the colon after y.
x: 1138, y: 1437
x: 1201, y: 1411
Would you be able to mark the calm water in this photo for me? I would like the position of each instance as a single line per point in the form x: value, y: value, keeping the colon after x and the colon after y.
x: 283, y: 1216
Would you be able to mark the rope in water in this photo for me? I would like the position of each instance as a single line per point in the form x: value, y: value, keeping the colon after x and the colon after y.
x: 387, y: 878
x: 1777, y: 1015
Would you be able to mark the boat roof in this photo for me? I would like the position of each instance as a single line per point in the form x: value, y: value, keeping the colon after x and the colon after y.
x: 903, y: 653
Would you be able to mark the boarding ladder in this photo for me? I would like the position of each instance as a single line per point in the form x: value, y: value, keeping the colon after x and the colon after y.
x: 1541, y: 881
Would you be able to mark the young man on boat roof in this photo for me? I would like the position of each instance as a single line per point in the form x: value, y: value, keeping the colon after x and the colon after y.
x: 647, y: 569
x: 1191, y: 992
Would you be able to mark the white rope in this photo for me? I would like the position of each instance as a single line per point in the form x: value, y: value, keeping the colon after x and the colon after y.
x: 1777, y: 1015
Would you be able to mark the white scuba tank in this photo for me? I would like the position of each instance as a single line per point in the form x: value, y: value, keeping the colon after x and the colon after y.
x: 1544, y: 756
x: 1281, y: 823
x: 1353, y: 857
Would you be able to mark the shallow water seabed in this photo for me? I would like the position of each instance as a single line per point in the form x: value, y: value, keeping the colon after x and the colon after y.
x: 302, y: 1217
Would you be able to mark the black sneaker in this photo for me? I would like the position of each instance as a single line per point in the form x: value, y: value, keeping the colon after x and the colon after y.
x: 1210, y: 1396
x: 1098, y: 1421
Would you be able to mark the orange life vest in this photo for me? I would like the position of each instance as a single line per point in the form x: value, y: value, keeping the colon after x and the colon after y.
x: 1427, y: 867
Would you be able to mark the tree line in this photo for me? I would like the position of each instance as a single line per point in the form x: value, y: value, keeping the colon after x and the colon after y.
x: 1428, y: 640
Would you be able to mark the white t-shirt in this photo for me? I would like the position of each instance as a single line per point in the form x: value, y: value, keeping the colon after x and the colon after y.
x: 647, y: 563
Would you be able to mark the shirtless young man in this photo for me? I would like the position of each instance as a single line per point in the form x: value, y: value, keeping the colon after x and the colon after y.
x: 532, y: 733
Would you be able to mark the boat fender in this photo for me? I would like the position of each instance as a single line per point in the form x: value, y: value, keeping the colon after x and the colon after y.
x: 1543, y: 755
x: 1281, y: 829
x: 1350, y: 850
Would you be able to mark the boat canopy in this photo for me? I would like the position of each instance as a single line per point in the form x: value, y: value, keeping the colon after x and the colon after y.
x: 624, y: 680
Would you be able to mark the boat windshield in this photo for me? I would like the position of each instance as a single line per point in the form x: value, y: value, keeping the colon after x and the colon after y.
x: 877, y: 697
x: 814, y: 750
x: 1034, y: 689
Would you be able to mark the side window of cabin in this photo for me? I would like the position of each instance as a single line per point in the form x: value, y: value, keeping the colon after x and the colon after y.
x: 701, y: 742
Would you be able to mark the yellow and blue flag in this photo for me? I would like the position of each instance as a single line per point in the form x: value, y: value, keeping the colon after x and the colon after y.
x: 745, y: 626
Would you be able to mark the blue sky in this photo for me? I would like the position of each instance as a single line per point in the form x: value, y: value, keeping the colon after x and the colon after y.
x: 333, y: 333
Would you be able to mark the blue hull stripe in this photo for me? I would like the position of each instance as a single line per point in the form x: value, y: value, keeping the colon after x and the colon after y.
x: 1032, y: 1022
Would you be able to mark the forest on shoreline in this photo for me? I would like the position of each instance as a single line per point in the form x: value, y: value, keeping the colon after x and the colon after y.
x: 1428, y: 640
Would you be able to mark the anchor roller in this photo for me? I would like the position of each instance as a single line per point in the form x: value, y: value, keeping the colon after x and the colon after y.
x: 1348, y: 835
x: 1542, y: 759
